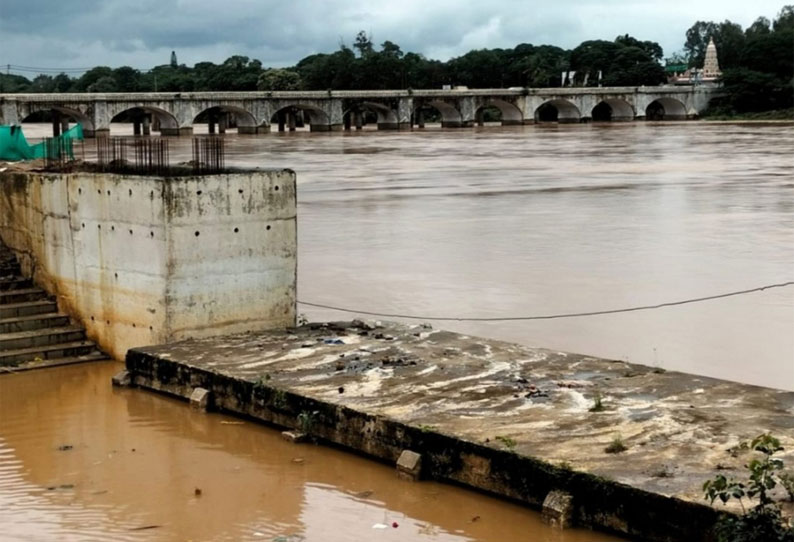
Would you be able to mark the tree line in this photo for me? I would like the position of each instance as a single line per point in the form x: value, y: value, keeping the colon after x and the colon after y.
x: 757, y: 62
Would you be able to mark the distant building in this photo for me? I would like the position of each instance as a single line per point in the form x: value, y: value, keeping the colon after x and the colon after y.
x: 679, y: 74
x: 173, y: 59
x: 711, y: 66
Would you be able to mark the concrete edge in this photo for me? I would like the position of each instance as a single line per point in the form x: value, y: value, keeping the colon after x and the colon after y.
x: 600, y: 503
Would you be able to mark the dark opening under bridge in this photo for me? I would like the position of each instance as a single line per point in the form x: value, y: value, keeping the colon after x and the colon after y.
x: 175, y: 113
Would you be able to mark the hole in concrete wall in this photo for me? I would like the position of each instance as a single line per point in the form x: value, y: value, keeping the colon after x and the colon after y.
x: 92, y: 318
x: 108, y: 192
x: 116, y: 275
x: 150, y: 328
x: 79, y: 190
x: 198, y: 192
x: 151, y: 234
x: 197, y: 234
x: 113, y: 228
x: 240, y: 191
x: 130, y: 191
x: 99, y: 192
x: 236, y: 230
x: 268, y: 227
x: 130, y: 232
x: 99, y: 226
x: 107, y: 322
x: 151, y: 194
x: 133, y: 324
x: 276, y: 188
x: 83, y: 224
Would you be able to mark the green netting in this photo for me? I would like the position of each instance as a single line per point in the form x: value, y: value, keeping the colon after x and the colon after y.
x: 14, y: 146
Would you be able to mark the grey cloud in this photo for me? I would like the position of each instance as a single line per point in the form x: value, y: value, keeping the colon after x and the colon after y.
x: 143, y: 32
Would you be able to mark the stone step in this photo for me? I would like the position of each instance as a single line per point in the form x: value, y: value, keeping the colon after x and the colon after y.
x: 15, y: 283
x: 27, y: 308
x: 52, y: 351
x: 94, y: 355
x: 41, y: 337
x: 19, y: 296
x: 33, y: 322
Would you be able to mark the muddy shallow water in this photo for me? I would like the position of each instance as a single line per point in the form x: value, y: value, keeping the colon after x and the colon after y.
x: 81, y: 461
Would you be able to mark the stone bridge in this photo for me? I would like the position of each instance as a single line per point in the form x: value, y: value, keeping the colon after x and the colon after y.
x: 254, y: 112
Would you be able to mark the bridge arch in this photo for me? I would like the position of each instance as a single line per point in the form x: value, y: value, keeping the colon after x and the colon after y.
x: 243, y: 120
x: 295, y: 115
x: 557, y: 110
x: 510, y: 114
x: 67, y: 114
x: 450, y: 116
x: 162, y: 120
x: 386, y: 116
x: 666, y: 109
x: 612, y: 109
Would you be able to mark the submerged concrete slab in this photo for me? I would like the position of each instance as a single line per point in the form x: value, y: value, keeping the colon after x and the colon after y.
x: 509, y: 419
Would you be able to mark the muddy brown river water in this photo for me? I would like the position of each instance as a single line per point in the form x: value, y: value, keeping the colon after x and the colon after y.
x: 484, y: 222
x: 82, y: 461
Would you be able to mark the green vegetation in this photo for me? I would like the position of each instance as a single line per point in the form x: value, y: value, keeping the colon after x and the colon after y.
x: 306, y: 421
x: 757, y: 66
x: 598, y: 405
x: 625, y: 61
x: 507, y: 442
x: 616, y: 446
x: 764, y: 521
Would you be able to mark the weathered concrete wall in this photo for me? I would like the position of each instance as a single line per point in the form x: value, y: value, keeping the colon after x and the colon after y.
x: 142, y: 260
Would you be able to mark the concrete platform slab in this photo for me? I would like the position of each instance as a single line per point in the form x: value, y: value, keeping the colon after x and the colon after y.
x: 508, y: 419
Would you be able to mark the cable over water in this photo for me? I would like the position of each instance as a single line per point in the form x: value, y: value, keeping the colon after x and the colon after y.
x: 551, y: 316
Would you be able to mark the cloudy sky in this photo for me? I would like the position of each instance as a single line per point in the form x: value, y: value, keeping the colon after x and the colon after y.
x: 142, y: 33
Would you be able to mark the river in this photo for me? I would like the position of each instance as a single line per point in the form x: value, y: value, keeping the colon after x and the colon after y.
x: 549, y: 219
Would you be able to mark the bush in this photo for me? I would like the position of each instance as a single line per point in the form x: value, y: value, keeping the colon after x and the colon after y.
x: 764, y: 522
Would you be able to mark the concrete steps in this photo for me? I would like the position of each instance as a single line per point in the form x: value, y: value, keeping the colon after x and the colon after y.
x: 32, y: 331
x: 27, y: 308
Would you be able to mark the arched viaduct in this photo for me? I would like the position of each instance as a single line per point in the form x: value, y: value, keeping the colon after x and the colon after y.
x: 255, y: 112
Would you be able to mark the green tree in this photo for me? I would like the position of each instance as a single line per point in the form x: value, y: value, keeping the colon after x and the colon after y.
x: 279, y: 79
x: 363, y: 44
x: 697, y: 39
x: 785, y: 19
x: 106, y: 83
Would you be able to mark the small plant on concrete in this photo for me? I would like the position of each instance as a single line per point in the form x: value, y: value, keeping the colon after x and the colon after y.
x: 306, y: 421
x: 764, y: 521
x: 598, y: 404
x: 426, y: 428
x: 508, y: 443
x: 279, y: 399
x: 616, y: 446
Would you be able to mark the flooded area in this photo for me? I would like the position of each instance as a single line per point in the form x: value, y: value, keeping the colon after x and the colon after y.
x: 549, y: 219
x: 82, y: 461
x: 488, y: 222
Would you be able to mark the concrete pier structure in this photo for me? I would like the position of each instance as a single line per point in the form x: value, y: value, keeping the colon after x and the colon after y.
x: 151, y: 259
x: 511, y: 420
x: 253, y: 112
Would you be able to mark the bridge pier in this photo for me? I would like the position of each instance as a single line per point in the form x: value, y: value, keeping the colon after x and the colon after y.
x: 146, y: 126
x: 358, y: 119
x: 222, y: 123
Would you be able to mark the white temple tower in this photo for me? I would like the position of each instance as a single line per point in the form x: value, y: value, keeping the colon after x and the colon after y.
x: 711, y: 66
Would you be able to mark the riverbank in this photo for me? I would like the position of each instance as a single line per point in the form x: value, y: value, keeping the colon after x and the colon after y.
x: 507, y: 419
x: 774, y: 115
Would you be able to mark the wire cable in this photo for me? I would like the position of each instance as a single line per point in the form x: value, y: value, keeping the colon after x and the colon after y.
x: 550, y: 316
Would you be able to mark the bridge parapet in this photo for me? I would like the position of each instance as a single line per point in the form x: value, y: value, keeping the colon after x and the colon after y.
x: 175, y: 113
